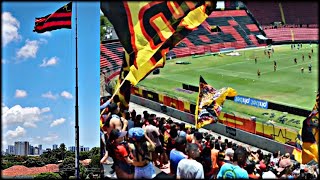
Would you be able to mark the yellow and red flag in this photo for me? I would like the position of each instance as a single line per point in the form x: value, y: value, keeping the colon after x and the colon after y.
x: 209, y: 103
x: 307, y: 141
x: 148, y: 30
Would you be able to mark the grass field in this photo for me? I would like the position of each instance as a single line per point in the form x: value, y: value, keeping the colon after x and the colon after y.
x: 286, y: 86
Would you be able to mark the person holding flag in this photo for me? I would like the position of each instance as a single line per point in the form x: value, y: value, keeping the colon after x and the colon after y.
x: 307, y: 140
x: 209, y: 103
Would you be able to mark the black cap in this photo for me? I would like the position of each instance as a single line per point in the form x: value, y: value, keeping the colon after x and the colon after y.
x: 112, y: 107
x: 116, y: 133
x: 198, y: 135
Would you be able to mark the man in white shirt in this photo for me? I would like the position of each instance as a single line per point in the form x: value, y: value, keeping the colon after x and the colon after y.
x: 190, y: 168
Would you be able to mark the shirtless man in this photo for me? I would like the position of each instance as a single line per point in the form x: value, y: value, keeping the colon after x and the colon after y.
x: 113, y: 121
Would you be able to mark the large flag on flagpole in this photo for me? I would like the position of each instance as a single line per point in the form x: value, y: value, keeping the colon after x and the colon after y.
x: 148, y: 30
x: 57, y: 20
x: 209, y: 103
x: 307, y: 141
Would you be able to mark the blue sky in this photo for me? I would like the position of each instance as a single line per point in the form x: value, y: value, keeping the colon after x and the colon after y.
x: 38, y: 76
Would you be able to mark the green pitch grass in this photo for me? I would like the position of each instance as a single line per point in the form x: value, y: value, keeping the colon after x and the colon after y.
x: 287, y: 85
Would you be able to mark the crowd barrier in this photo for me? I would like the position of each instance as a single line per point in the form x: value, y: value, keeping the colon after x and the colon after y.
x: 229, y: 131
x: 266, y: 130
x: 270, y: 105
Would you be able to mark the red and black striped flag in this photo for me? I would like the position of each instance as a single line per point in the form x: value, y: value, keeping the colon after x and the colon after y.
x: 57, y: 20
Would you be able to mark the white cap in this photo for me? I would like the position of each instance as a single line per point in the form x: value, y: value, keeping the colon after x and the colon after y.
x: 229, y: 152
x: 269, y: 175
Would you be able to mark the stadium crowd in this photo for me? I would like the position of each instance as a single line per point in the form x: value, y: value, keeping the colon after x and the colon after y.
x: 139, y: 142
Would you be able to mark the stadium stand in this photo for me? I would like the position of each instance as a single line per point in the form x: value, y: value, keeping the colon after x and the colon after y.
x: 234, y: 29
x: 289, y: 34
x: 267, y: 12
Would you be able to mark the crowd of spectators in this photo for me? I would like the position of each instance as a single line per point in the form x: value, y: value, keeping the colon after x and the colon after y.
x: 139, y: 142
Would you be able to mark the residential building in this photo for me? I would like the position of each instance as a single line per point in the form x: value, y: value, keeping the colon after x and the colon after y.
x: 55, y: 146
x: 11, y: 149
x: 21, y: 148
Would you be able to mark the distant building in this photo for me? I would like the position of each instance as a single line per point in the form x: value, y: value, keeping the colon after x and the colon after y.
x: 72, y: 148
x: 11, y: 149
x: 21, y: 148
x: 55, y: 146
x: 31, y: 150
x: 40, y: 149
x: 81, y: 149
x: 36, y: 151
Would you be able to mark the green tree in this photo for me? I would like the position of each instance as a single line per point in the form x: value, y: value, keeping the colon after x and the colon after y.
x: 67, y: 168
x: 94, y: 151
x: 95, y: 161
x: 103, y: 32
x: 48, y: 175
x: 7, y: 164
x: 84, y: 155
x: 20, y: 158
x: 63, y: 150
x: 34, y: 162
x: 104, y: 23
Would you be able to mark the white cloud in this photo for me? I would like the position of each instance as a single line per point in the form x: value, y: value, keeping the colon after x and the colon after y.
x: 51, y: 62
x: 57, y: 122
x: 29, y: 50
x: 50, y: 138
x: 4, y: 144
x: 47, y: 34
x: 29, y: 124
x: 101, y: 13
x: 4, y: 108
x: 66, y: 95
x: 46, y: 109
x: 4, y: 61
x: 42, y: 41
x: 10, y: 26
x: 21, y: 93
x: 18, y: 132
x: 27, y: 116
x: 49, y: 95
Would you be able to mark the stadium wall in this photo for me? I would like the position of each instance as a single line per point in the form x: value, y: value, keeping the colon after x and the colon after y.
x: 271, y: 105
x: 270, y: 131
x: 227, y: 130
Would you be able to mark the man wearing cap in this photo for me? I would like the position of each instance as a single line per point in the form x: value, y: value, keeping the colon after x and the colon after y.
x: 228, y: 155
x: 235, y: 170
x: 119, y: 151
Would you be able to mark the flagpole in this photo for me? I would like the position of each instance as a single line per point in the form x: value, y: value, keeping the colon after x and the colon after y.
x: 77, y: 169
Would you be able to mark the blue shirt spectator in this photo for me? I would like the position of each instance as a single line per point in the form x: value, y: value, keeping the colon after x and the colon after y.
x: 175, y: 157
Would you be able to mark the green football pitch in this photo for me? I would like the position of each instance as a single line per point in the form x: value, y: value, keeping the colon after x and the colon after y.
x: 287, y: 85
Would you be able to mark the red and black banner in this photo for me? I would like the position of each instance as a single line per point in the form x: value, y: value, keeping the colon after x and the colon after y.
x: 57, y: 20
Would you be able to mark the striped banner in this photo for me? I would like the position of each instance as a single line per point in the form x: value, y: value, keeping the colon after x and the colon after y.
x: 57, y: 20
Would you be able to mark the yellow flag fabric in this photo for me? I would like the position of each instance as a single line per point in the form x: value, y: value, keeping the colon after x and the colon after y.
x: 148, y: 30
x: 307, y: 141
x: 209, y: 103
